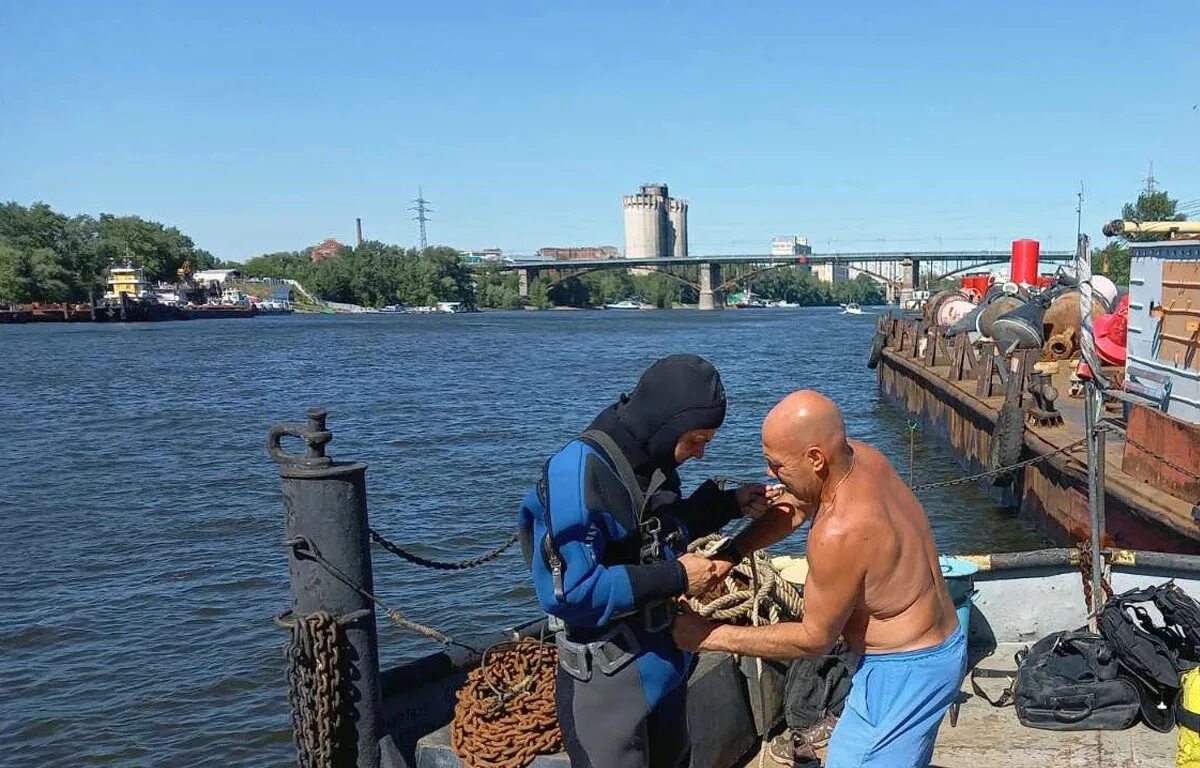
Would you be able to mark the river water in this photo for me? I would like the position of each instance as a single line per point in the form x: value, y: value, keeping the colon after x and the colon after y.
x: 141, y: 519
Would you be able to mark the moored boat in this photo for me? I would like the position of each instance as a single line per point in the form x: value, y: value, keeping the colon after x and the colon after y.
x: 626, y: 304
x: 407, y: 714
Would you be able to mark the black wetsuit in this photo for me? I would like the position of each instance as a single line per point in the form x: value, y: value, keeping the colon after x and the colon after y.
x: 622, y: 682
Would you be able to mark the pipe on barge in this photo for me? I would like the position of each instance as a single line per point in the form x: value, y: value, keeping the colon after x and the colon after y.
x: 956, y: 393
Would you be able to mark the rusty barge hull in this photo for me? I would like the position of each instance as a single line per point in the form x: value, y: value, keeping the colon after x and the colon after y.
x: 952, y: 391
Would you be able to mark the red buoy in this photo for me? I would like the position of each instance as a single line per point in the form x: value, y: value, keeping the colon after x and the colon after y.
x: 1025, y: 262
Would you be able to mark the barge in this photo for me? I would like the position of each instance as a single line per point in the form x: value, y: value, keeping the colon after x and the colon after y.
x: 956, y: 387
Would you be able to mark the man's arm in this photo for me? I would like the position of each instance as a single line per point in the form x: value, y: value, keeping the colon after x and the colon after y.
x: 832, y: 591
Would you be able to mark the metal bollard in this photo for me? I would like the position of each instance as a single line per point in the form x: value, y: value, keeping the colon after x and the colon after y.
x: 329, y: 564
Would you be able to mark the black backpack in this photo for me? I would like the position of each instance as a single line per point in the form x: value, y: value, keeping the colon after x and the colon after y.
x: 1070, y: 681
x: 1154, y: 652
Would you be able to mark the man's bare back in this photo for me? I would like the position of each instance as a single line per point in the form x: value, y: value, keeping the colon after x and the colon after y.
x: 904, y: 604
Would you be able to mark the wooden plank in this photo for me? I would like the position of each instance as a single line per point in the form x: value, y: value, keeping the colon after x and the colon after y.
x: 1179, y: 336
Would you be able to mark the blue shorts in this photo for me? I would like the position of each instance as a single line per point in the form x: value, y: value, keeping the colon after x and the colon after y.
x: 895, y: 705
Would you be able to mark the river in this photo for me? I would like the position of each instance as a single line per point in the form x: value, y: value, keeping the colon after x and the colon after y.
x: 142, y: 519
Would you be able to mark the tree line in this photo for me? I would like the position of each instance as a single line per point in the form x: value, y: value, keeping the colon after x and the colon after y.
x: 48, y: 256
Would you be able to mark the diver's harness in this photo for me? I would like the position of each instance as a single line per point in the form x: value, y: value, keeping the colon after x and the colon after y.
x: 617, y: 644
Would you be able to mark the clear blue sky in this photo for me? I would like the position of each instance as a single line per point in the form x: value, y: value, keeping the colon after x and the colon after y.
x: 260, y: 126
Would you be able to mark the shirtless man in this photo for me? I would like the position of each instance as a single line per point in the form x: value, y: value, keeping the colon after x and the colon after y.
x: 873, y: 579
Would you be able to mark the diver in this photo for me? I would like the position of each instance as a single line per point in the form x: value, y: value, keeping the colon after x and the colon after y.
x: 606, y: 531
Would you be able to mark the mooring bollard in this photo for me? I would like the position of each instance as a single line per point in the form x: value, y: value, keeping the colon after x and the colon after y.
x: 338, y: 718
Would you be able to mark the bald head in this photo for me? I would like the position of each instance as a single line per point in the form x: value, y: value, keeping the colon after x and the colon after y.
x: 804, y: 437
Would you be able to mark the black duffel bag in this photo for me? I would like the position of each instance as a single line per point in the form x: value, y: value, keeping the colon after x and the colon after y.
x: 1070, y: 681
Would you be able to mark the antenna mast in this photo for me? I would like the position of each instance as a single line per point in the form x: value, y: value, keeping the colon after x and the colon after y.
x: 1079, y: 212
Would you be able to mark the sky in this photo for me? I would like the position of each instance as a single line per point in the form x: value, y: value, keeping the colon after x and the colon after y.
x: 259, y: 127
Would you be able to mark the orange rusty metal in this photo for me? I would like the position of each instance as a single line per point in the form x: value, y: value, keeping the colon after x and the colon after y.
x: 1167, y: 438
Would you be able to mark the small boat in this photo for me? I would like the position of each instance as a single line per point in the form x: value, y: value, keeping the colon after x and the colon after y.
x: 629, y: 304
x: 851, y: 309
x: 271, y: 307
x: 748, y: 300
x: 1012, y: 600
x: 781, y: 304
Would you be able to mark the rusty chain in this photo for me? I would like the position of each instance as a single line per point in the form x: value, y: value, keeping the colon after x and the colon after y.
x: 439, y: 565
x: 1158, y: 456
x: 1085, y: 571
x: 314, y: 653
x: 505, y: 715
x: 305, y: 548
x: 990, y: 473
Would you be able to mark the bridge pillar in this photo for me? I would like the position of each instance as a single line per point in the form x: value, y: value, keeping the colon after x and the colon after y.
x: 710, y: 275
x: 911, y: 273
x: 523, y: 283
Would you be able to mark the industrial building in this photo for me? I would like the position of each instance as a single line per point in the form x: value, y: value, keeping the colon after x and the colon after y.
x: 786, y: 247
x: 655, y: 224
x: 585, y: 253
x: 832, y: 273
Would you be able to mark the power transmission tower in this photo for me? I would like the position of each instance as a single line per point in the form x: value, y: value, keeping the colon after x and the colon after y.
x: 422, y: 210
x: 1150, y: 180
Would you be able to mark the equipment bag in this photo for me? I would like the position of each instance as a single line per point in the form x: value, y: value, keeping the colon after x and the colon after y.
x: 1154, y: 650
x: 1070, y: 681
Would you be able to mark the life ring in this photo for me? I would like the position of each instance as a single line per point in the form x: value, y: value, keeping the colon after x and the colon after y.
x: 876, y: 353
x: 1008, y: 440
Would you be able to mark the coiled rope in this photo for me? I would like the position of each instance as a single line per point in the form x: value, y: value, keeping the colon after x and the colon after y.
x: 754, y: 585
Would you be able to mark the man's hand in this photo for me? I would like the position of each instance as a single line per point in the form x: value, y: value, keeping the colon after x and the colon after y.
x: 701, y: 573
x: 690, y: 630
x: 752, y: 499
x: 781, y: 501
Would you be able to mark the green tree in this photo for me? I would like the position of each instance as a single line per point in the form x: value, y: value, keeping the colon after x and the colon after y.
x: 1113, y: 259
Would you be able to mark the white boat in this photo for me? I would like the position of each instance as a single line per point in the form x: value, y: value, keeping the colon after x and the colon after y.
x: 781, y: 304
x: 629, y: 304
x: 851, y: 309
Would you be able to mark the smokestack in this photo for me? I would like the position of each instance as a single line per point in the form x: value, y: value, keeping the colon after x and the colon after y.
x: 358, y: 230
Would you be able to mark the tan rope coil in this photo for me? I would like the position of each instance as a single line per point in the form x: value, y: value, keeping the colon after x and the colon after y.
x: 505, y: 714
x: 753, y: 584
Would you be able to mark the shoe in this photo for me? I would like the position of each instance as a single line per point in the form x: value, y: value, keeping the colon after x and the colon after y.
x: 791, y: 750
x: 818, y: 735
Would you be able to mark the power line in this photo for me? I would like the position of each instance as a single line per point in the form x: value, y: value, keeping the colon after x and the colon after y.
x: 422, y: 210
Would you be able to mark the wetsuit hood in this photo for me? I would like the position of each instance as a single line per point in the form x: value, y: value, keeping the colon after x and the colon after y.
x: 674, y: 395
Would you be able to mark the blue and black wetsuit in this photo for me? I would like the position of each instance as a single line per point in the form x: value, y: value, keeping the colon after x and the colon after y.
x: 607, y: 569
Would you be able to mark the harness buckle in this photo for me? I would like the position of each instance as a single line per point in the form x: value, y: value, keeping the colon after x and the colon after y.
x: 616, y: 650
x: 574, y: 658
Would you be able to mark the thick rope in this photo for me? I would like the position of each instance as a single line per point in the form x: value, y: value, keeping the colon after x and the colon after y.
x: 753, y: 585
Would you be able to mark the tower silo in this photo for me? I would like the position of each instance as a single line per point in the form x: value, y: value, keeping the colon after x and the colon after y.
x: 677, y: 216
x: 647, y: 229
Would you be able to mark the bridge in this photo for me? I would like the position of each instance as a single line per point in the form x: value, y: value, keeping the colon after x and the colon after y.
x: 894, y: 269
